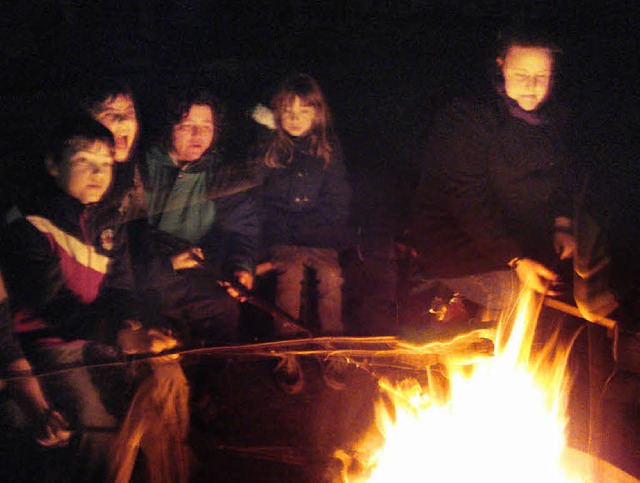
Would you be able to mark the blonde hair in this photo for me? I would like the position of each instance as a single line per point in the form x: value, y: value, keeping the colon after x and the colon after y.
x: 280, y: 149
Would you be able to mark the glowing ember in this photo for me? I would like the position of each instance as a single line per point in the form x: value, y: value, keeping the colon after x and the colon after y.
x: 501, y: 420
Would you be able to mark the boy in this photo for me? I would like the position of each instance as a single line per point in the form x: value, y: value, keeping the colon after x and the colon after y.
x: 66, y: 266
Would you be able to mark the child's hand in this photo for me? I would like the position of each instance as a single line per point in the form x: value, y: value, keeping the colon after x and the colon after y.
x: 191, y: 258
x: 136, y: 339
x: 54, y: 431
x: 160, y: 342
x: 245, y: 278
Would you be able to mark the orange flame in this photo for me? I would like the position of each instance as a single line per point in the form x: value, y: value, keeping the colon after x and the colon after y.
x: 501, y: 420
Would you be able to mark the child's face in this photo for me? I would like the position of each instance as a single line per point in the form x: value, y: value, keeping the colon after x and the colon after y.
x: 527, y: 75
x: 298, y: 118
x: 193, y: 135
x: 85, y: 174
x: 118, y: 115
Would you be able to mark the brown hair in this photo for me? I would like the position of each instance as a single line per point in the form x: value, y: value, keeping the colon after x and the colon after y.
x: 280, y: 149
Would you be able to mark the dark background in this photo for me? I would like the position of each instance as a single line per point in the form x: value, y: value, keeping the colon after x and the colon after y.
x: 386, y: 67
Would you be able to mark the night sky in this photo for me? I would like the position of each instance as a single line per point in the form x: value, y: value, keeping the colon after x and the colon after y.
x: 386, y: 66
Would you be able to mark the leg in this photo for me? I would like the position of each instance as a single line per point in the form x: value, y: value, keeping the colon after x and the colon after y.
x: 289, y: 264
x: 74, y: 392
x: 325, y: 262
x: 207, y: 312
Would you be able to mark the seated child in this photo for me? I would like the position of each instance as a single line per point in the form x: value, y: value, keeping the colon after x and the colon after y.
x: 305, y: 200
x: 66, y: 266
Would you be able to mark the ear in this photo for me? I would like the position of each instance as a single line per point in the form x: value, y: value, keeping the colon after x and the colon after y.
x: 52, y: 168
x: 500, y: 62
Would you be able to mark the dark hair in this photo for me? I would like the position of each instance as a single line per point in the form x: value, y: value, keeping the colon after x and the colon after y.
x: 93, y: 94
x: 180, y: 104
x: 76, y: 133
x: 280, y: 150
x: 533, y: 34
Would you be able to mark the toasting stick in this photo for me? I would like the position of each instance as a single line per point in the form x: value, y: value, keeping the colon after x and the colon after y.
x: 285, y: 325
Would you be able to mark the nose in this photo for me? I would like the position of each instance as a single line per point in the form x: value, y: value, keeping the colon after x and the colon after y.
x: 121, y: 123
x: 97, y: 170
x: 531, y: 83
x: 197, y: 131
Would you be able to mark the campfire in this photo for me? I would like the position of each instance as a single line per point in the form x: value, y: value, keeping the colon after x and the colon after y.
x: 493, y: 418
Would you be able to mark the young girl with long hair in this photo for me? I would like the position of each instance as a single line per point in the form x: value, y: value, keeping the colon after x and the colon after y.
x: 305, y: 200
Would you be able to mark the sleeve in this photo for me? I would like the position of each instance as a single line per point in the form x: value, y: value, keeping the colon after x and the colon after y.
x: 238, y: 232
x: 459, y: 150
x: 35, y: 281
x: 562, y: 201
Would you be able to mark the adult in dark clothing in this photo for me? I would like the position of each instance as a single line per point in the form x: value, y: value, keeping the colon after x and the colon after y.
x: 496, y: 191
x: 197, y: 240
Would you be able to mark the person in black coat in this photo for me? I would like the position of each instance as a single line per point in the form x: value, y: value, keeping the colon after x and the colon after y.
x: 494, y: 205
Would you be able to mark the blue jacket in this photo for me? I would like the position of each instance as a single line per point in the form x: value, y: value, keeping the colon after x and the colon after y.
x: 306, y: 203
x: 184, y: 214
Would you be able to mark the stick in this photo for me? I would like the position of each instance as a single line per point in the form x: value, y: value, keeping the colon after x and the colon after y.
x: 571, y: 310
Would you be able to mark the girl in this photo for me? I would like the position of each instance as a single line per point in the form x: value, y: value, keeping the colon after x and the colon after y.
x: 305, y: 200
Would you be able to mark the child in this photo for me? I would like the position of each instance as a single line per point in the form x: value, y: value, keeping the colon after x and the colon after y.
x: 66, y: 267
x: 305, y: 199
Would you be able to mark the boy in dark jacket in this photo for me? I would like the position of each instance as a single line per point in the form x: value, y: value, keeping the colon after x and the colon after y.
x: 67, y: 270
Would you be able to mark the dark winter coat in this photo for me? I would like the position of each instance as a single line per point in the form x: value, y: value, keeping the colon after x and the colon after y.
x: 67, y: 271
x: 184, y: 214
x: 307, y: 203
x: 491, y: 188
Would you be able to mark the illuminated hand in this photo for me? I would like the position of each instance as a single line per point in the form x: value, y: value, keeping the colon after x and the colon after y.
x: 564, y: 244
x: 245, y: 278
x: 54, y: 431
x: 159, y: 341
x: 536, y: 276
x: 136, y: 339
x: 191, y: 258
